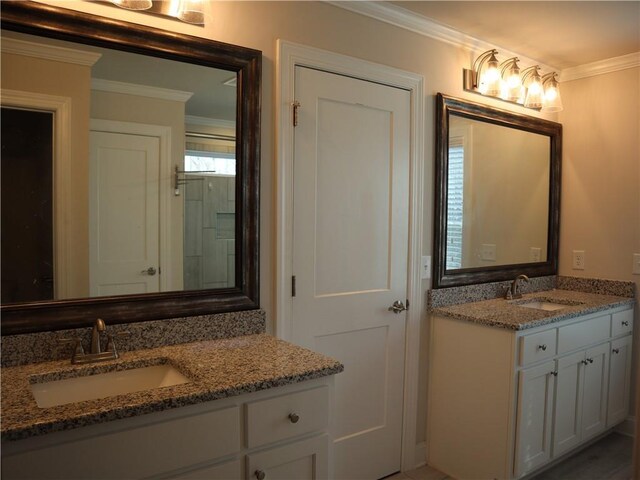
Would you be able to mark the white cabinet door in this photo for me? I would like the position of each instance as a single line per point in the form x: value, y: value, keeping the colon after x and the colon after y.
x: 231, y: 470
x: 568, y: 403
x: 303, y: 460
x: 619, y: 381
x: 594, y: 398
x: 535, y: 409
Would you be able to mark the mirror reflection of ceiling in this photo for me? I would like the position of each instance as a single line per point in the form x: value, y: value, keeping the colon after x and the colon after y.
x: 562, y: 34
x: 212, y: 98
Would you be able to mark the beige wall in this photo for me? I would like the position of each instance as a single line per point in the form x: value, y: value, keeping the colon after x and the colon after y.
x: 28, y: 74
x: 153, y: 111
x: 600, y: 206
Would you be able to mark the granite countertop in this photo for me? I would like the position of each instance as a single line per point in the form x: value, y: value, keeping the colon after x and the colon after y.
x: 217, y: 369
x: 502, y: 313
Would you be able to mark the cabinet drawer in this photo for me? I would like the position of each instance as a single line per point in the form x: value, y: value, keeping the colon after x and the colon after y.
x: 302, y: 460
x: 231, y: 470
x: 283, y: 417
x: 584, y: 333
x: 621, y: 323
x: 538, y: 346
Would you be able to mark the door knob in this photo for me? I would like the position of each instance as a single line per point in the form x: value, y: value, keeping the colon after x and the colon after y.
x: 397, y: 307
x: 149, y: 271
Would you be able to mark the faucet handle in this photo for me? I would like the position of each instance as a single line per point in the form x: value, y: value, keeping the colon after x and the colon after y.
x: 77, y: 344
x: 111, y: 344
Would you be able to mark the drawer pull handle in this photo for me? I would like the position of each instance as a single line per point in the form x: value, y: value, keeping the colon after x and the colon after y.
x: 555, y: 374
x: 625, y: 323
x: 616, y: 350
x: 260, y: 475
x: 542, y: 347
x: 294, y: 417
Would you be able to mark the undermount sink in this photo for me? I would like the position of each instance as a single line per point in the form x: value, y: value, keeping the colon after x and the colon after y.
x: 542, y: 305
x: 547, y: 304
x: 102, y: 385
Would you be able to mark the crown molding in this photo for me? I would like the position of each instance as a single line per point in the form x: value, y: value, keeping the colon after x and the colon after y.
x: 49, y: 52
x: 209, y: 122
x: 140, y: 90
x: 408, y: 20
x: 601, y: 67
x: 400, y: 17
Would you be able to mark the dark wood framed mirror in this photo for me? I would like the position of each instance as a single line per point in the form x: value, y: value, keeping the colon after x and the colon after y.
x: 243, y: 68
x: 497, y: 194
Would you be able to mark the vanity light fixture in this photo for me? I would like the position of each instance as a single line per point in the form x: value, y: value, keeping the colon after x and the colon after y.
x: 507, y: 82
x: 189, y: 11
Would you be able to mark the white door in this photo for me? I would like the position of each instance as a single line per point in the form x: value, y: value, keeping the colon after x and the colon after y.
x: 568, y: 408
x: 124, y: 214
x: 535, y: 409
x: 594, y: 400
x: 350, y: 247
x: 619, y: 381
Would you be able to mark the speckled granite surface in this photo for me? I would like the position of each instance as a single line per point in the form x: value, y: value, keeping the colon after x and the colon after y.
x: 441, y: 297
x: 46, y: 346
x: 595, y: 285
x: 217, y: 369
x: 502, y: 313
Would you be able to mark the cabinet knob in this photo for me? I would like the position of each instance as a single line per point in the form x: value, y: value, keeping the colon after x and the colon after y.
x: 585, y: 362
x: 615, y: 350
x: 260, y: 475
x: 590, y: 360
x: 625, y: 323
x: 294, y: 417
x: 542, y: 347
x: 555, y: 374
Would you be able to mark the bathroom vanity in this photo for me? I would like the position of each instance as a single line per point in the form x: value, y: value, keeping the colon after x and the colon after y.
x: 516, y: 384
x: 254, y: 407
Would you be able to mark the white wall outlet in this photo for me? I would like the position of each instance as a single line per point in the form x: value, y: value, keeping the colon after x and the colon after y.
x: 534, y: 254
x: 488, y: 252
x: 426, y: 266
x: 579, y: 259
x: 636, y: 263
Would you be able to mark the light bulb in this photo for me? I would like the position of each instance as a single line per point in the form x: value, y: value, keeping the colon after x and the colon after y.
x: 552, y: 101
x: 491, y: 77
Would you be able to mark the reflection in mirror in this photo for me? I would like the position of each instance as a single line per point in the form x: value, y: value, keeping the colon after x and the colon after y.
x: 144, y: 202
x: 98, y: 211
x: 497, y: 194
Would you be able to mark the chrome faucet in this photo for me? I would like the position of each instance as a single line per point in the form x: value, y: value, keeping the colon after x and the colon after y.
x: 96, y: 354
x: 513, y: 291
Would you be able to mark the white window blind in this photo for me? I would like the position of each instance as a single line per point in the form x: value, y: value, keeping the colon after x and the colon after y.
x: 455, y: 203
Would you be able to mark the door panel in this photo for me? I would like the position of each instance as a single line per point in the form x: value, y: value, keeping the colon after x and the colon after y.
x: 124, y: 220
x: 350, y: 248
x: 568, y: 410
x: 594, y: 404
x: 619, y: 380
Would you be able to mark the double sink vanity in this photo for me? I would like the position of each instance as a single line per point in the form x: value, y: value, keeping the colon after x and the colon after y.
x: 516, y: 384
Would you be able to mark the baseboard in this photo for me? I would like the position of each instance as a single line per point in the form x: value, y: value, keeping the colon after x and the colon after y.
x: 627, y: 427
x: 421, y: 454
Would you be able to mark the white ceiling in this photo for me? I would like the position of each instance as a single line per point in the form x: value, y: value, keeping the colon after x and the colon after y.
x: 561, y: 34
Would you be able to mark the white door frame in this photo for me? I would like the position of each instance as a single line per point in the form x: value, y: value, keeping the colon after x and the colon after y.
x: 165, y: 187
x: 61, y: 109
x: 290, y: 55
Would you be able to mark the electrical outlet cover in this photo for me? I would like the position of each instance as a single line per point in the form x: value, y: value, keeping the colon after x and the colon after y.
x: 636, y: 263
x: 488, y: 252
x: 579, y: 259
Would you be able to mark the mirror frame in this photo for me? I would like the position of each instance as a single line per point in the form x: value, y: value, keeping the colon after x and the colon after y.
x: 446, y: 106
x: 63, y: 24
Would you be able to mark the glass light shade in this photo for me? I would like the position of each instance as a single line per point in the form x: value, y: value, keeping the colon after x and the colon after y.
x: 552, y: 101
x: 133, y: 4
x: 512, y: 84
x: 534, y: 92
x: 191, y: 11
x: 490, y: 79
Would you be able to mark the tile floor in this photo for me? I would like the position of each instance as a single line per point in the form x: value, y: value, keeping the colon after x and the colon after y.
x: 607, y: 459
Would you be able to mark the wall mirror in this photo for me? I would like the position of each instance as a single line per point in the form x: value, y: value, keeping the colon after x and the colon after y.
x: 497, y: 194
x: 130, y: 169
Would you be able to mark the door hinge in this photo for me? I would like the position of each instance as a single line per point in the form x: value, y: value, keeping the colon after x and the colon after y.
x: 296, y: 106
x: 293, y: 285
